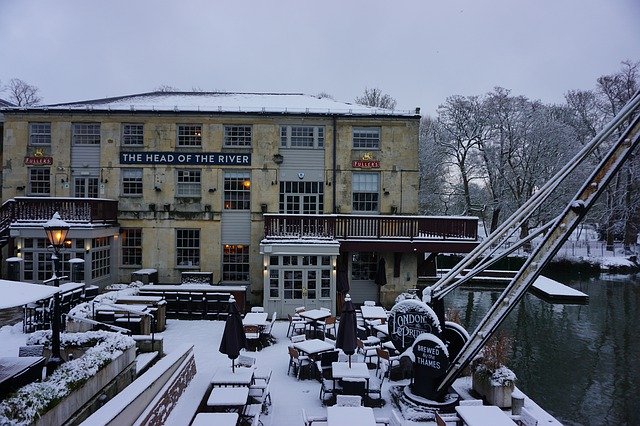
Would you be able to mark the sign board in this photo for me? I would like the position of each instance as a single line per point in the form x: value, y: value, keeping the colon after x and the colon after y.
x: 186, y: 158
x: 410, y: 318
x: 38, y: 161
x: 430, y: 361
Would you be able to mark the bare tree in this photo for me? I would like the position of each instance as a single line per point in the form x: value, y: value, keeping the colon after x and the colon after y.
x: 22, y: 93
x: 375, y: 98
x: 324, y: 95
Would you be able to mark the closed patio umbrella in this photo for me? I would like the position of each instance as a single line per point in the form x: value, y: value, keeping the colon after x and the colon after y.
x: 233, y: 337
x: 381, y: 273
x: 346, y: 339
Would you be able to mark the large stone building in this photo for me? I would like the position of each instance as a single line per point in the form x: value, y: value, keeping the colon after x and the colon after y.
x: 293, y: 196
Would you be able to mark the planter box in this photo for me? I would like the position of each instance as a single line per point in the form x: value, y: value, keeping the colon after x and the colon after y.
x: 73, y: 402
x: 499, y: 396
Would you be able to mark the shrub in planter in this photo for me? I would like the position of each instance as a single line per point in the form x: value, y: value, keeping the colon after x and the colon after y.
x: 491, y: 378
x: 35, y: 399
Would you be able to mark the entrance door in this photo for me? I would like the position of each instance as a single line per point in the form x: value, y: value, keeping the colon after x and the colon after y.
x: 363, y: 271
x: 300, y: 288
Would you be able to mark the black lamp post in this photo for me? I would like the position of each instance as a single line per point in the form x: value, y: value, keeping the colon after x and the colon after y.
x: 56, y: 230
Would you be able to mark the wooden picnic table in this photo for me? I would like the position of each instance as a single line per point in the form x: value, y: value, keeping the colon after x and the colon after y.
x: 155, y: 304
x: 482, y: 415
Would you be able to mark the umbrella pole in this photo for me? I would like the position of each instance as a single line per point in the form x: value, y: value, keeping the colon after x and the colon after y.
x: 349, y: 361
x: 233, y: 365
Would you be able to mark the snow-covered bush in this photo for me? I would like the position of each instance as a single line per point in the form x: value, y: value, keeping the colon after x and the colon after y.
x: 35, y: 399
x: 490, y: 363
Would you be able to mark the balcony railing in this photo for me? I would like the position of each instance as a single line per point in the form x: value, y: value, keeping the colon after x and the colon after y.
x: 348, y: 227
x: 72, y: 210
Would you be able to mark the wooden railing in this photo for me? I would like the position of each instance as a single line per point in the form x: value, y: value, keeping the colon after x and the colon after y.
x: 345, y: 227
x: 71, y: 210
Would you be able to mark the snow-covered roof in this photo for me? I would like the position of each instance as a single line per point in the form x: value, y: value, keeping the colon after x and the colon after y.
x: 226, y: 102
x: 4, y: 103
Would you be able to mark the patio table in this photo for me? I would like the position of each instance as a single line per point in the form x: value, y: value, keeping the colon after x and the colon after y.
x: 315, y: 315
x: 313, y: 347
x: 243, y: 376
x: 228, y: 399
x: 352, y: 416
x: 373, y: 312
x: 218, y: 419
x: 255, y: 318
x: 480, y: 415
x: 358, y: 370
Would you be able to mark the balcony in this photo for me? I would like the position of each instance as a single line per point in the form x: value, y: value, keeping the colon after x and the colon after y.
x: 72, y: 210
x: 456, y: 234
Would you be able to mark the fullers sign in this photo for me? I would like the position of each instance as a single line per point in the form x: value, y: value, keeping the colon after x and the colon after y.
x: 409, y: 319
x: 191, y: 158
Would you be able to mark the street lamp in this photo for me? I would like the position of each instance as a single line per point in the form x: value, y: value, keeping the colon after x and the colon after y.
x: 56, y: 230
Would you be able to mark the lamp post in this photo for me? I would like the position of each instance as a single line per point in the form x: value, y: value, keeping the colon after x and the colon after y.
x: 56, y: 230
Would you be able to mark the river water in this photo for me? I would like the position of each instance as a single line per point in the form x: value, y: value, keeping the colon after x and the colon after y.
x: 580, y: 363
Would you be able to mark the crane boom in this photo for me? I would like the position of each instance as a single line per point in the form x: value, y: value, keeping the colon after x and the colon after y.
x: 557, y: 235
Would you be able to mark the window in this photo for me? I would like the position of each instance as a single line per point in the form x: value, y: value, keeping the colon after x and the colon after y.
x: 132, y: 134
x: 39, y: 181
x: 366, y: 137
x: 302, y: 136
x: 364, y: 266
x: 85, y: 187
x: 188, y: 183
x: 189, y: 135
x: 132, y: 247
x: 100, y: 257
x: 39, y: 133
x: 187, y: 247
x: 86, y: 133
x: 301, y: 197
x: 365, y: 192
x: 131, y: 182
x: 237, y: 191
x: 237, y: 136
x: 235, y: 263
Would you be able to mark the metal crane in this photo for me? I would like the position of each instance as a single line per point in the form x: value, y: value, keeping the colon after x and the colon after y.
x: 555, y: 234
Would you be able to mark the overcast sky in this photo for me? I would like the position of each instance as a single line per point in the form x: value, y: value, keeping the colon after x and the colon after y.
x: 417, y: 51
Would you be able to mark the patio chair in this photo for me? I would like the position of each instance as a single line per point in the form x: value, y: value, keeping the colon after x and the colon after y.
x: 297, y: 325
x: 250, y: 414
x: 348, y: 400
x: 375, y: 386
x: 447, y: 419
x: 257, y: 309
x: 262, y: 377
x: 261, y: 395
x: 252, y: 334
x: 369, y: 303
x: 297, y: 361
x: 385, y: 358
x: 327, y: 325
x: 354, y: 386
x: 324, y: 364
x: 326, y: 387
x: 245, y: 361
x: 266, y: 335
x: 298, y: 338
x: 313, y: 420
x: 368, y: 352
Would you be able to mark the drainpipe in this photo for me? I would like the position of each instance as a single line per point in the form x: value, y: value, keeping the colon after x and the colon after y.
x: 334, y: 159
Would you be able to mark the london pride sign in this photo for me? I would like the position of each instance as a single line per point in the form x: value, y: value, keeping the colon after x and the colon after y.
x: 191, y: 158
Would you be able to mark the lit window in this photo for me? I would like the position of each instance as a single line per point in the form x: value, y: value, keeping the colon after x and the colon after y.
x: 189, y: 135
x: 237, y: 191
x: 235, y: 262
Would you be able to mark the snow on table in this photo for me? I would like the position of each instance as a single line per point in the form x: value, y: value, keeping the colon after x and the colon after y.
x: 484, y: 415
x: 352, y: 416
